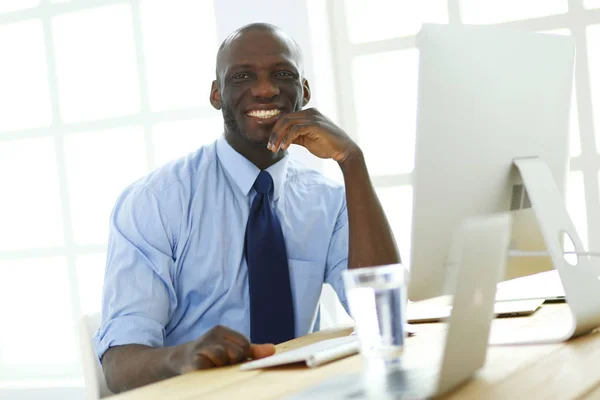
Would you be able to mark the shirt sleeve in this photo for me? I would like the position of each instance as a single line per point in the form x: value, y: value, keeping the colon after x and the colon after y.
x: 337, y: 256
x: 138, y: 296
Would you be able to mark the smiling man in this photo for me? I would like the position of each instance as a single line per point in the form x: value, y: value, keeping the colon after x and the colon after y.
x: 217, y: 255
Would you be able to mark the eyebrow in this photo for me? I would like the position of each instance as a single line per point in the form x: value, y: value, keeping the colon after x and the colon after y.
x: 250, y: 66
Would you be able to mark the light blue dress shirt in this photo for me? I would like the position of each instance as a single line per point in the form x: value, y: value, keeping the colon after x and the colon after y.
x: 175, y: 262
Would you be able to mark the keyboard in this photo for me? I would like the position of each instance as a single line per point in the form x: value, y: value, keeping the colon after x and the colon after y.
x: 313, y: 355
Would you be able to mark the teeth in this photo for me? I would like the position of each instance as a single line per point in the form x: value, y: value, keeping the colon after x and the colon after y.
x: 263, y: 113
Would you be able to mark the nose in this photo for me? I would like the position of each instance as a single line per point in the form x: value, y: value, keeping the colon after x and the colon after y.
x: 264, y: 87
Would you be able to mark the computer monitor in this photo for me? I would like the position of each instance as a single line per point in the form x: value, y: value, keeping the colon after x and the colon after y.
x: 487, y: 95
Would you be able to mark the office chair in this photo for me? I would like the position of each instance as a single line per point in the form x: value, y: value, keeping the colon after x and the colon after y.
x: 93, y: 376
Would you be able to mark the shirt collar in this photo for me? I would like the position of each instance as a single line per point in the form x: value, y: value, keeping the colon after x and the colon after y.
x: 244, y: 173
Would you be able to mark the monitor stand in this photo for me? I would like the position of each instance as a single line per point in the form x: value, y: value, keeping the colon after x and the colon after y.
x: 579, y: 277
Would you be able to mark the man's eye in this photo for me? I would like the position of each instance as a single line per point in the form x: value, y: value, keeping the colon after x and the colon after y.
x: 241, y: 76
x: 285, y: 74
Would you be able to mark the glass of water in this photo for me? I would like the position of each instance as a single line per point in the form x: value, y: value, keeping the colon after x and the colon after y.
x: 377, y: 300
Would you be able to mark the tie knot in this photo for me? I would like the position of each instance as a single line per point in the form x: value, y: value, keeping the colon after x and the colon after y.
x: 263, y: 183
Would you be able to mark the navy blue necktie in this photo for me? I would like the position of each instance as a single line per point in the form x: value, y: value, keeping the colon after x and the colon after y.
x: 271, y: 306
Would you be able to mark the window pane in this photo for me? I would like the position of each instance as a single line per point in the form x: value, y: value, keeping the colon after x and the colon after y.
x: 175, y: 139
x: 35, y: 303
x: 100, y: 165
x: 388, y: 143
x: 16, y: 5
x: 322, y: 79
x: 397, y: 204
x: 574, y: 134
x: 493, y: 11
x: 332, y: 170
x: 24, y: 97
x: 383, y: 19
x: 30, y: 208
x: 90, y: 279
x: 95, y: 63
x: 180, y: 44
x: 591, y: 3
x: 575, y: 201
x: 593, y: 44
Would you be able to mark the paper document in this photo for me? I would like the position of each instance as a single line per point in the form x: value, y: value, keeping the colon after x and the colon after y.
x: 544, y: 285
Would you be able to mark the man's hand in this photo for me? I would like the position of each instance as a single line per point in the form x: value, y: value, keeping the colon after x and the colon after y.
x: 219, y: 347
x: 366, y: 219
x: 134, y: 365
x: 313, y: 130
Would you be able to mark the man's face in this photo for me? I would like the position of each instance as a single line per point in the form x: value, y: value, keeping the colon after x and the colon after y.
x: 258, y: 81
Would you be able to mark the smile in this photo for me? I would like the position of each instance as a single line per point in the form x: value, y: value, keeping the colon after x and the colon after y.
x: 263, y: 114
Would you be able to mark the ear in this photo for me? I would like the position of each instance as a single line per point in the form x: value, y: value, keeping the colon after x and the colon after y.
x: 215, y: 96
x: 305, y: 93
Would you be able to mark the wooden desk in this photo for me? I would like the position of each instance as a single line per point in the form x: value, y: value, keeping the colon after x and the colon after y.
x: 556, y: 371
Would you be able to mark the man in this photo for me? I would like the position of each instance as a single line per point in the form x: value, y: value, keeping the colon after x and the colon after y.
x: 232, y: 243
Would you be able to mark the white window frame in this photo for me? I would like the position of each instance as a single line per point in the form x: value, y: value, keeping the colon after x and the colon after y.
x: 70, y: 375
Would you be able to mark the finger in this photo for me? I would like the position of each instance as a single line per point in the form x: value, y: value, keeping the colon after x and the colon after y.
x: 262, y: 350
x: 200, y: 362
x: 216, y: 353
x: 229, y: 335
x: 293, y: 133
x: 308, y: 113
x: 286, y: 118
x: 280, y: 128
x: 235, y: 353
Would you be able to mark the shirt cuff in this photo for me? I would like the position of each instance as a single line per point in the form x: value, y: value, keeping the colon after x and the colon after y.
x: 127, y: 330
x: 340, y: 290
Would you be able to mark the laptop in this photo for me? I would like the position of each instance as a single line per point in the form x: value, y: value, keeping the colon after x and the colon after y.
x: 485, y: 242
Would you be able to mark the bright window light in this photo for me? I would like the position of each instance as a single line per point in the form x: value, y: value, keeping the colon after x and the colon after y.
x: 591, y: 3
x: 332, y: 170
x: 30, y: 210
x: 17, y: 5
x: 562, y: 32
x: 90, y: 279
x: 574, y: 134
x: 494, y: 11
x: 175, y: 139
x: 35, y: 298
x: 383, y: 19
x: 593, y: 44
x: 575, y: 201
x: 24, y: 96
x: 397, y: 204
x: 385, y: 84
x: 322, y: 79
x: 180, y: 44
x: 100, y: 165
x: 95, y: 63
